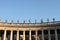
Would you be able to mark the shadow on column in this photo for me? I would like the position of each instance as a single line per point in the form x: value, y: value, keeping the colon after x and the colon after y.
x: 46, y: 37
x: 1, y: 34
x: 20, y: 35
x: 39, y: 36
x: 33, y: 37
x: 14, y: 35
x: 26, y: 35
x: 8, y: 35
x: 52, y: 32
x: 58, y: 32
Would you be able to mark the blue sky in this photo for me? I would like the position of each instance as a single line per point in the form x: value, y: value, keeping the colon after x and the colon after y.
x: 29, y: 9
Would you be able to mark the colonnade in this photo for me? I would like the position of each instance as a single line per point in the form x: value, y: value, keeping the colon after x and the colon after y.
x: 36, y: 35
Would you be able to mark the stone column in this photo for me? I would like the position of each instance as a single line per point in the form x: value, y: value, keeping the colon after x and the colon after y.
x: 30, y: 35
x: 4, y: 35
x: 11, y: 35
x: 49, y: 35
x: 36, y: 35
x: 17, y: 35
x: 23, y: 35
x: 0, y: 38
x: 56, y: 36
x: 42, y: 34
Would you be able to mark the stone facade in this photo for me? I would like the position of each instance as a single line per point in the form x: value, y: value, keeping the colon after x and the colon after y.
x: 30, y: 31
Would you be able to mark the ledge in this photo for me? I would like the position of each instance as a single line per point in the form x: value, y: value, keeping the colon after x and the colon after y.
x: 45, y: 24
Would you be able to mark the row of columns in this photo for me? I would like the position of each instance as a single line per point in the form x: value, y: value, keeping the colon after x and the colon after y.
x: 11, y: 36
x: 56, y: 36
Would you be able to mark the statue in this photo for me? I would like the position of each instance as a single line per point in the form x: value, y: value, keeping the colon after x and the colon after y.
x: 41, y: 20
x: 47, y: 20
x: 12, y: 21
x: 0, y: 20
x: 53, y: 19
x: 18, y: 21
x: 6, y: 20
x: 24, y: 21
x: 35, y: 21
x: 29, y: 21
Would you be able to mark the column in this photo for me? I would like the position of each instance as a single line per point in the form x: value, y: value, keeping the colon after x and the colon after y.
x: 49, y: 35
x: 11, y: 36
x: 36, y: 35
x: 23, y: 35
x: 4, y: 35
x: 56, y: 36
x: 30, y: 35
x: 17, y: 35
x: 42, y: 35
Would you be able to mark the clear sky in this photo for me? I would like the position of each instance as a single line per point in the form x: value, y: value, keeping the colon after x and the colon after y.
x: 29, y: 9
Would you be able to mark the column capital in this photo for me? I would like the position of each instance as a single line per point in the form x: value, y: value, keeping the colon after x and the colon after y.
x: 17, y: 29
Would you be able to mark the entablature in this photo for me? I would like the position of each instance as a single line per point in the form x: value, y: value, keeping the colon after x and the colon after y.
x: 45, y: 24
